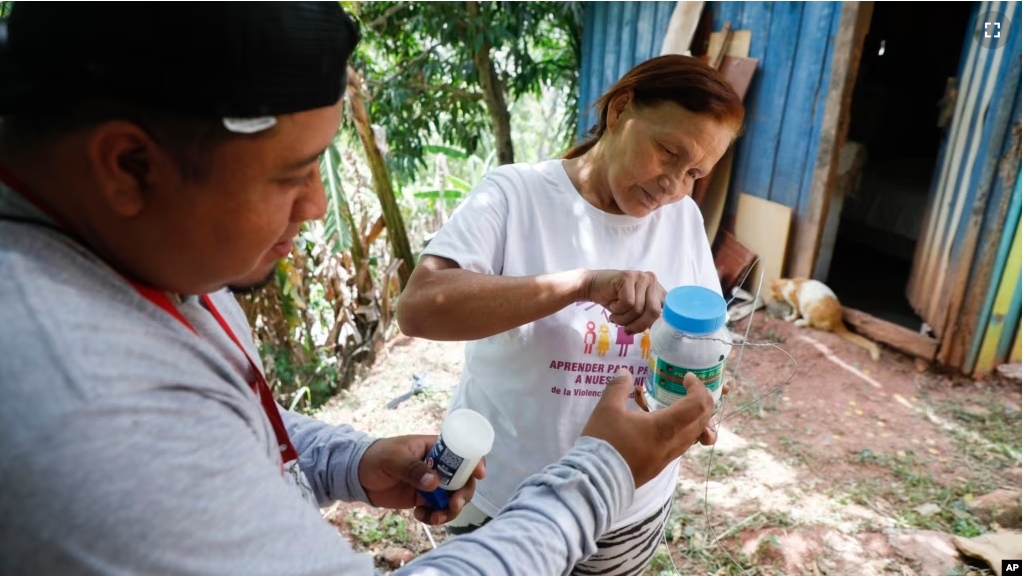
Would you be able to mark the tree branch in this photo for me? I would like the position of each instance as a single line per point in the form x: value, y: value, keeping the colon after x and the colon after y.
x: 387, y: 14
x: 408, y: 64
x: 420, y: 87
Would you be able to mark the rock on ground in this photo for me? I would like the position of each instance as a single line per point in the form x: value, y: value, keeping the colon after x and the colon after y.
x: 932, y: 552
x: 1000, y: 507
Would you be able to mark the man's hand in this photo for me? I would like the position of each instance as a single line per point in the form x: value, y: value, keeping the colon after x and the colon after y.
x: 392, y: 469
x: 650, y: 441
x: 710, y: 434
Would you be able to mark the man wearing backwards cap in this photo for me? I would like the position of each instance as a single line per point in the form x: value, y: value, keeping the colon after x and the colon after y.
x: 151, y: 155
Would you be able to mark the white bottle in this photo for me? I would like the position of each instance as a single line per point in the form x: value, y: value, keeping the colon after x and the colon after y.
x: 690, y: 336
x: 465, y: 437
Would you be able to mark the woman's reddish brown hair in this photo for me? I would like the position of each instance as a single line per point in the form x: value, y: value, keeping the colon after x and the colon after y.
x: 684, y: 80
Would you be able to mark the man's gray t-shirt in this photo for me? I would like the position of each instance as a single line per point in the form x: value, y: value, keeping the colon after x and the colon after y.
x: 133, y: 445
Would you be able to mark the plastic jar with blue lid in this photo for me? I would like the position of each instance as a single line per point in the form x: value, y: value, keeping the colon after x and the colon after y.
x: 690, y: 336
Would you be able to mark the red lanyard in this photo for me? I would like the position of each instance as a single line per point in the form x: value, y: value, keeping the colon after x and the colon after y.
x: 161, y: 300
x: 259, y: 386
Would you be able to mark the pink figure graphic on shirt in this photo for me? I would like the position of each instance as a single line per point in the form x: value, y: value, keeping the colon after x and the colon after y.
x: 644, y: 344
x: 604, y: 342
x: 624, y: 340
x: 589, y: 338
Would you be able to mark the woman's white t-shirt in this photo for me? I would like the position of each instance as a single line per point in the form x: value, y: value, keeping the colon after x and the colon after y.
x: 538, y: 384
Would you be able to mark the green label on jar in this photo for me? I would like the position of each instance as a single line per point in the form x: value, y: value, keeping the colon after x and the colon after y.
x: 667, y: 379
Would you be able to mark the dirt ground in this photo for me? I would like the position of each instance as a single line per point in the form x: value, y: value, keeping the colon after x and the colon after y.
x: 827, y: 474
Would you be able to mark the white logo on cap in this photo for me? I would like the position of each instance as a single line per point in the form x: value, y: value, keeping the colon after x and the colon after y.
x: 250, y: 125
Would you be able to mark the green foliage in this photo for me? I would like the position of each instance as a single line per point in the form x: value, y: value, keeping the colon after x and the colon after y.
x: 339, y: 224
x: 313, y: 381
x: 417, y: 59
x: 442, y: 190
x: 369, y: 530
x: 5, y: 9
x: 330, y: 304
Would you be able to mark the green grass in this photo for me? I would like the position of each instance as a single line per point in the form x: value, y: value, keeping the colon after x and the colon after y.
x: 910, y: 486
x: 692, y: 543
x: 988, y: 418
x: 749, y: 399
x: 723, y: 465
x: 661, y: 564
x: 906, y: 484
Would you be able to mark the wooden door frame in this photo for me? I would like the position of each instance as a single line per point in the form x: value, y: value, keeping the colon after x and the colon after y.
x: 845, y: 65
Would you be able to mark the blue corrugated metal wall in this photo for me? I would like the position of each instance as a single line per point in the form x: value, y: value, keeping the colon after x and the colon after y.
x: 616, y: 37
x: 792, y: 40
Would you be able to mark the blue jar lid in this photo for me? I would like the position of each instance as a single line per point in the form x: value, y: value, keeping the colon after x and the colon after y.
x: 694, y: 309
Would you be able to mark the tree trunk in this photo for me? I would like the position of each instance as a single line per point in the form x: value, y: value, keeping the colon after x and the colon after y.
x: 493, y: 93
x: 400, y: 247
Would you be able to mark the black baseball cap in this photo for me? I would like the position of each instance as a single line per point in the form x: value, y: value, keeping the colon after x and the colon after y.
x: 244, y: 62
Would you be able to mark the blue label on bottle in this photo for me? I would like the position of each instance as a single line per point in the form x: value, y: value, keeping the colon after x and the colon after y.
x: 443, y: 461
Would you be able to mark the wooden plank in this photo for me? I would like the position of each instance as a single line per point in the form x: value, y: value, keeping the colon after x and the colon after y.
x: 727, y: 12
x: 712, y: 205
x: 712, y: 192
x: 731, y: 259
x: 716, y: 54
x: 820, y: 108
x: 774, y: 91
x: 1002, y: 317
x: 997, y: 235
x: 646, y: 26
x: 970, y: 263
x: 662, y: 13
x: 853, y: 27
x: 1016, y: 355
x: 756, y: 16
x: 739, y: 72
x: 738, y: 45
x: 587, y: 89
x: 610, y: 46
x: 629, y: 44
x: 1012, y: 318
x: 794, y: 145
x: 763, y: 227
x: 922, y: 282
x: 681, y: 27
x: 751, y: 16
x: 847, y: 181
x: 898, y: 337
x: 959, y: 246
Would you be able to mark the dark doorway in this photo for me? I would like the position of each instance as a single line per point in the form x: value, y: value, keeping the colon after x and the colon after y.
x: 911, y: 51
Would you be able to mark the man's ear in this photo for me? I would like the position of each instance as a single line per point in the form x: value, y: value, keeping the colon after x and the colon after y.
x: 617, y: 107
x: 122, y: 156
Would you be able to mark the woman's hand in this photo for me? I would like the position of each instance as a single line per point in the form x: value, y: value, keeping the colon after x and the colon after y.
x: 634, y: 298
